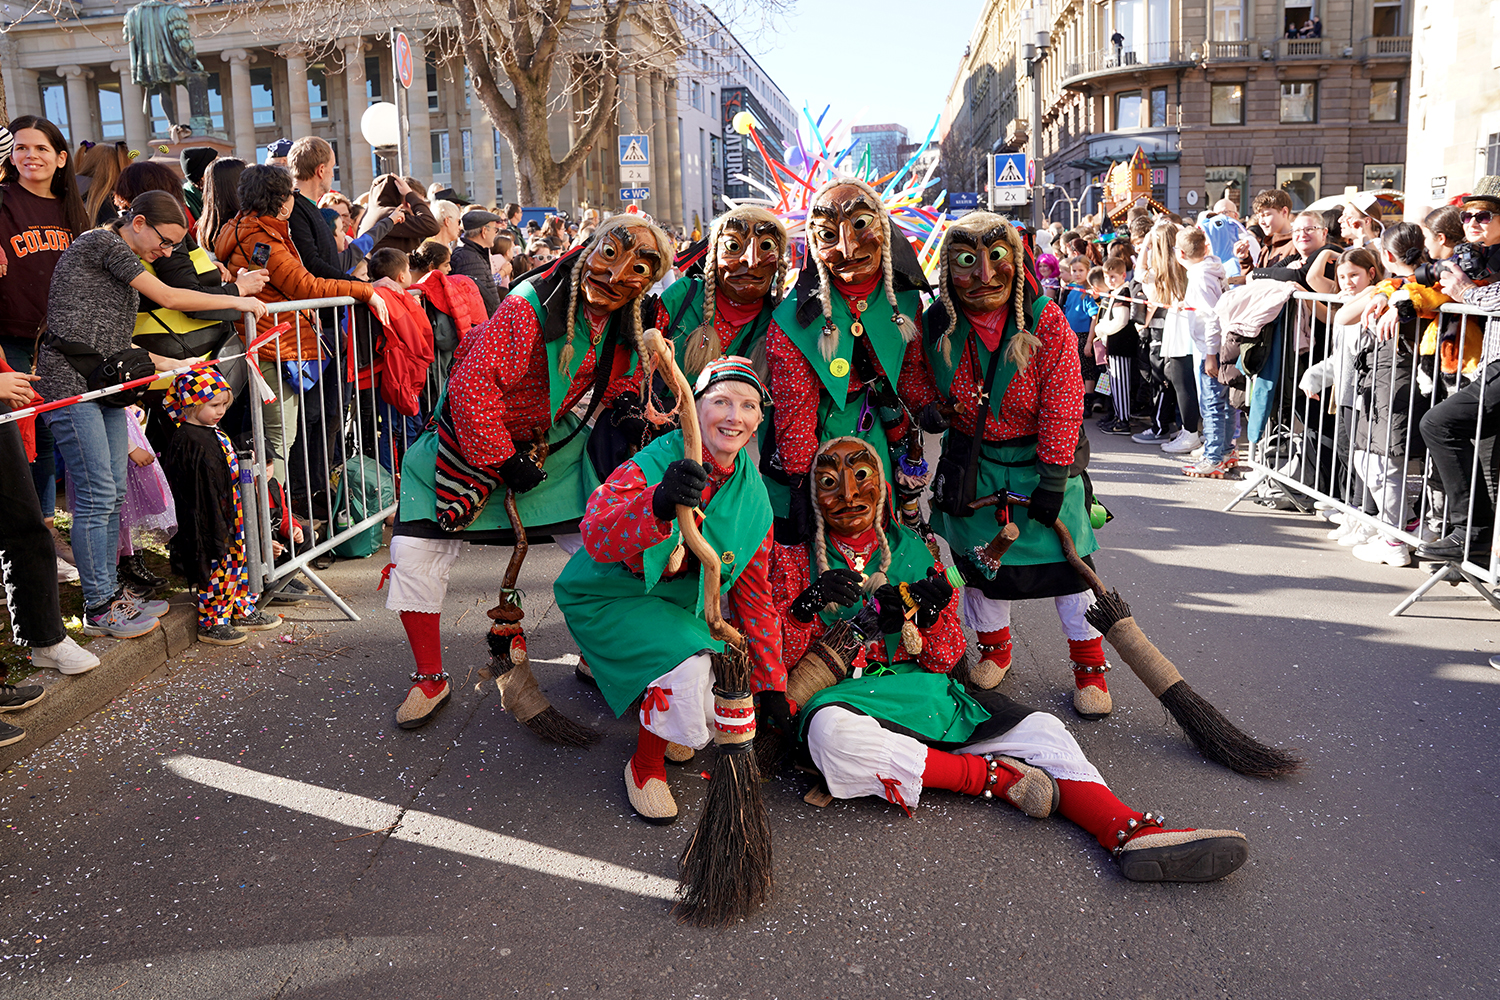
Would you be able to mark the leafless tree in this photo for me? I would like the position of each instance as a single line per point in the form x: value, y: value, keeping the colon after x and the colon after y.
x: 963, y: 165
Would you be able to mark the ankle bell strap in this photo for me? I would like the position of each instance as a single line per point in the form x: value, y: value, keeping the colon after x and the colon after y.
x: 1134, y: 828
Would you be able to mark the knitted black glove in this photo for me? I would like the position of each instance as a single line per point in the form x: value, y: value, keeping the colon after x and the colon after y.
x: 892, y: 609
x: 775, y: 713
x: 932, y: 420
x: 682, y: 483
x: 1045, y: 506
x: 932, y: 596
x: 838, y: 586
x: 521, y: 473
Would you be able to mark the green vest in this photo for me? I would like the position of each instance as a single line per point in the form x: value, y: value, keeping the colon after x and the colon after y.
x: 683, y: 301
x: 632, y: 629
x: 880, y: 329
x: 557, y: 386
x: 910, y: 561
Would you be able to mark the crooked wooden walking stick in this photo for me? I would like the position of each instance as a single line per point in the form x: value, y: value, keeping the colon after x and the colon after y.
x: 509, y: 663
x: 725, y: 870
x: 1212, y: 733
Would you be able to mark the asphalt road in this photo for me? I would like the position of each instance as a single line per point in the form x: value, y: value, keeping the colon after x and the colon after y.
x: 210, y: 833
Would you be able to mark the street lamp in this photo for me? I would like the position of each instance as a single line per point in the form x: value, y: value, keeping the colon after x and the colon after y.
x: 381, y: 127
x: 1037, y: 43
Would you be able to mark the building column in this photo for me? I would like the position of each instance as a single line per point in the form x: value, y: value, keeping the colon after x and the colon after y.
x: 482, y: 167
x: 418, y: 145
x: 137, y: 125
x: 661, y: 175
x: 355, y: 174
x: 80, y: 120
x: 241, y: 114
x: 643, y: 124
x: 674, y: 157
x: 299, y: 117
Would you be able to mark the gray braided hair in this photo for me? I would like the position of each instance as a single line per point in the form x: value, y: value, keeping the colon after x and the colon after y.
x: 660, y: 241
x: 908, y: 327
x: 879, y: 578
x: 704, y: 344
x: 985, y: 227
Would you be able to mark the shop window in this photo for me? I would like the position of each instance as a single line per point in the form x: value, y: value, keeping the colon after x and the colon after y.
x: 1227, y: 182
x: 1385, y: 177
x: 1227, y: 104
x: 1301, y: 183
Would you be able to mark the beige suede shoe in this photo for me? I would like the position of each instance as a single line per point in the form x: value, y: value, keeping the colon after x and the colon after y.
x: 679, y: 754
x: 654, y: 803
x: 1089, y: 701
x: 1033, y: 791
x: 427, y: 695
x: 1182, y: 855
x: 985, y: 675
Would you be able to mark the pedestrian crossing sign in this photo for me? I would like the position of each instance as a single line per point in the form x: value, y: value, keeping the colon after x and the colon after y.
x: 635, y: 150
x: 1010, y: 170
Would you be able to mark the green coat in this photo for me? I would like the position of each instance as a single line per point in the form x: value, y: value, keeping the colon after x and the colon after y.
x: 632, y: 629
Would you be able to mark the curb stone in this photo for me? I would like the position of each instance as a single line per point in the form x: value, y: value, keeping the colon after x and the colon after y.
x: 122, y: 663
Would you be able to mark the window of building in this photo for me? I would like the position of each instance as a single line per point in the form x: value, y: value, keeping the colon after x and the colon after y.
x: 1301, y: 183
x: 1385, y: 21
x: 433, y: 102
x: 1128, y: 109
x: 696, y: 97
x: 466, y: 150
x: 1385, y: 100
x: 1492, y: 154
x: 1385, y: 177
x: 1229, y: 20
x: 1128, y: 34
x: 1159, y: 107
x: 1227, y: 104
x: 442, y: 162
x: 468, y: 87
x: 373, y: 82
x: 1298, y: 13
x: 317, y: 92
x: 1227, y: 182
x: 1299, y: 102
x: 111, y: 112
x: 55, y: 104
x: 498, y: 168
x: 262, y: 97
x: 216, y: 102
x: 160, y: 124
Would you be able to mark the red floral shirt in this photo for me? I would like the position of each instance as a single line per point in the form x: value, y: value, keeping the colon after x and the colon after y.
x: 1046, y: 399
x: 498, y: 392
x: 620, y: 526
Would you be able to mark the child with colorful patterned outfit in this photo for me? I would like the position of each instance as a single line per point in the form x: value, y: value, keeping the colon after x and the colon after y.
x: 204, y: 474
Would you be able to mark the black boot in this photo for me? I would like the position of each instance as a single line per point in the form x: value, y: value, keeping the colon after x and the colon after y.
x: 133, y: 569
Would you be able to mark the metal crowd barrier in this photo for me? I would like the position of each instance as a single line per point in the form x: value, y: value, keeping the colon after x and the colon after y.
x: 326, y: 451
x: 1305, y: 452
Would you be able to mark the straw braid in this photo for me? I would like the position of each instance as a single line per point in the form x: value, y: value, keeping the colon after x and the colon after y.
x: 575, y: 281
x: 1025, y: 342
x: 703, y: 344
x: 879, y: 578
x: 946, y: 339
x: 904, y: 323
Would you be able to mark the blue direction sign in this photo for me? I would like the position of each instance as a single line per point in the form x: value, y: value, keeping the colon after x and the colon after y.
x: 1010, y: 170
x: 635, y: 151
x: 635, y: 194
x: 963, y: 201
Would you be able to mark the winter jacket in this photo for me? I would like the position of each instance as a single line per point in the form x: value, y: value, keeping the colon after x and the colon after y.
x: 473, y: 261
x: 405, y: 352
x: 455, y: 296
x: 420, y: 223
x: 315, y: 242
x: 289, y: 280
x: 1205, y: 286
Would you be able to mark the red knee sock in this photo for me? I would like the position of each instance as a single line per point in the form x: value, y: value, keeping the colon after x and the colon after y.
x: 956, y: 772
x: 1096, y: 809
x: 1088, y: 653
x: 650, y: 758
x: 426, y: 646
x: 999, y: 638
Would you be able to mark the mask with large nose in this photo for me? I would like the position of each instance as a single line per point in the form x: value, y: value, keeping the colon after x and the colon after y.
x: 624, y: 262
x: 847, y: 486
x: 748, y: 252
x: 847, y: 233
x: 982, y: 268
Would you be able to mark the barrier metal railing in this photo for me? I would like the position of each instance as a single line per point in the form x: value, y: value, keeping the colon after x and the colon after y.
x: 1364, y: 447
x: 326, y: 451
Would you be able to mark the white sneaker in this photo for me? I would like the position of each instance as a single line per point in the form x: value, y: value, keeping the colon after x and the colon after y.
x: 1343, y: 527
x: 1380, y: 549
x: 1196, y: 452
x: 67, y: 657
x: 1357, y: 535
x: 66, y: 571
x: 1183, y: 443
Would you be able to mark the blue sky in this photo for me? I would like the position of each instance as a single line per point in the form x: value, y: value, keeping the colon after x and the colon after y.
x: 897, y: 59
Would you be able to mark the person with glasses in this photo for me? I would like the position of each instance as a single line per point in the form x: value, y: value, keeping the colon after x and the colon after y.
x: 1314, y: 263
x: 91, y: 304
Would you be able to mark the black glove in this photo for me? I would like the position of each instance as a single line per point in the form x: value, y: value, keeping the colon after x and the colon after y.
x: 1045, y: 506
x: 775, y: 713
x: 838, y: 586
x: 932, y: 420
x: 682, y: 483
x: 521, y: 473
x: 796, y: 528
x: 628, y: 414
x: 932, y: 596
x: 892, y: 609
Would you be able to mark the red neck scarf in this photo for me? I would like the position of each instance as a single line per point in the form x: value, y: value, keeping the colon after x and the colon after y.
x: 989, y: 326
x: 853, y: 293
x: 734, y: 313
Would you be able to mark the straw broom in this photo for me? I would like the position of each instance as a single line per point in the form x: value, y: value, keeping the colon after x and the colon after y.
x: 1212, y: 733
x: 725, y: 870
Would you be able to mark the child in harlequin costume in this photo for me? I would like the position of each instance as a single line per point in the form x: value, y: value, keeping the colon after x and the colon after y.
x: 204, y: 475
x: 631, y: 598
x: 731, y: 283
x: 989, y: 310
x: 898, y: 724
x: 512, y: 394
x: 840, y: 346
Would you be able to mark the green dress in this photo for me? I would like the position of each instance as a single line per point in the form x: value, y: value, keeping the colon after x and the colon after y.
x: 839, y: 414
x: 634, y: 628
x: 1034, y: 566
x: 560, y: 500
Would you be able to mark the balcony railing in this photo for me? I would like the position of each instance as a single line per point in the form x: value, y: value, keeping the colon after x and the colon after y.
x: 1229, y: 51
x: 1303, y: 48
x: 1125, y: 58
x: 1388, y: 45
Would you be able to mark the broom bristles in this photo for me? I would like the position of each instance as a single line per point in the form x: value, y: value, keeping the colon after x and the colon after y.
x: 1222, y: 741
x: 548, y: 723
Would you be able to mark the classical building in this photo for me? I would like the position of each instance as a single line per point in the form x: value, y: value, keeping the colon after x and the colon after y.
x: 267, y: 81
x: 1215, y: 91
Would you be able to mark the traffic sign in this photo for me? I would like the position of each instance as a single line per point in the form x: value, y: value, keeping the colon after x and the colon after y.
x: 1010, y: 170
x: 635, y: 194
x: 635, y: 151
x: 1010, y: 196
x: 963, y: 201
x: 402, y: 55
x: 635, y: 175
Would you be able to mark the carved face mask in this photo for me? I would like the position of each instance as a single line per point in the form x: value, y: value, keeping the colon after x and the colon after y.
x: 845, y: 231
x: 846, y: 487
x: 621, y: 266
x: 982, y: 267
x: 749, y: 256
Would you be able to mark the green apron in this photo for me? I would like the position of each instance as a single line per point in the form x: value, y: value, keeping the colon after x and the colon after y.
x: 632, y: 629
x: 683, y: 301
x: 838, y: 414
x: 910, y: 561
x: 1007, y: 467
x: 571, y: 479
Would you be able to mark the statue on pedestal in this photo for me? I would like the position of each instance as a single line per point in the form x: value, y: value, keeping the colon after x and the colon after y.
x: 163, y: 55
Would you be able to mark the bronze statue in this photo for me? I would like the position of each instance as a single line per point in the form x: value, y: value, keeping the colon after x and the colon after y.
x: 162, y: 55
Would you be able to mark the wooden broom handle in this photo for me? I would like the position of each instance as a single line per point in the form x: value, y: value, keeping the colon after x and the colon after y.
x: 692, y: 441
x: 1064, y: 537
